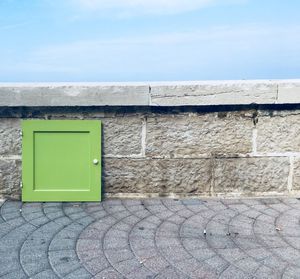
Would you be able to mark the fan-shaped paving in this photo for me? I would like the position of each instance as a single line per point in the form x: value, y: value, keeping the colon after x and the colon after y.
x: 151, y: 238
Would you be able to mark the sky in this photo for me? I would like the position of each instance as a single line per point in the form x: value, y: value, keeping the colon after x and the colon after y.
x: 148, y: 40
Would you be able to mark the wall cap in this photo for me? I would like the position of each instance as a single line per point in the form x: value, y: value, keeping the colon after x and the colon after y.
x: 174, y: 93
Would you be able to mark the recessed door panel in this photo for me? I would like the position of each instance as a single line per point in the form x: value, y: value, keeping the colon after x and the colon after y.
x: 61, y: 160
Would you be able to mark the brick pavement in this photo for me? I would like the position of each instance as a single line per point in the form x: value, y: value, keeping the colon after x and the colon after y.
x: 151, y: 238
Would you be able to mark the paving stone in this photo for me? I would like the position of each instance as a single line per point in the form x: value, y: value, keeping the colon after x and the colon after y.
x: 147, y: 253
x: 265, y: 272
x: 88, y: 244
x: 88, y: 255
x: 109, y: 273
x: 17, y: 274
x: 115, y: 243
x: 217, y: 263
x: 66, y: 268
x: 204, y: 272
x: 233, y: 272
x: 156, y: 264
x: 80, y: 273
x: 128, y: 266
x: 35, y: 266
x: 242, y: 239
x: 171, y: 273
x: 141, y: 272
x: 8, y: 265
x: 97, y: 264
x: 60, y: 257
x: 122, y: 255
x: 45, y: 274
x: 175, y: 254
x: 62, y: 244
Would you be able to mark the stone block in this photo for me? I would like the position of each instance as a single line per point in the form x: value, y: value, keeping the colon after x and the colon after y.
x: 214, y: 93
x: 10, y: 138
x: 68, y: 94
x: 296, y: 176
x: 289, y: 93
x: 249, y: 176
x: 195, y: 136
x: 122, y: 136
x: 157, y: 176
x: 279, y: 133
x: 10, y: 176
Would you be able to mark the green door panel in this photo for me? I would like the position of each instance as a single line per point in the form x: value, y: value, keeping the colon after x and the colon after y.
x: 61, y: 160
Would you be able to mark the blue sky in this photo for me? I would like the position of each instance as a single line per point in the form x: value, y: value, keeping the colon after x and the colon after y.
x: 143, y: 40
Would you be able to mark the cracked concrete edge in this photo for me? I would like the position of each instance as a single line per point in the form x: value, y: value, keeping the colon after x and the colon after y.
x: 176, y: 93
x: 228, y: 195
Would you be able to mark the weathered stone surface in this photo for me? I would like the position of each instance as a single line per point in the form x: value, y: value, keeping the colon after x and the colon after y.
x: 10, y: 175
x: 198, y: 135
x: 251, y: 175
x: 122, y: 136
x: 72, y: 94
x: 296, y: 176
x: 10, y: 138
x: 152, y: 94
x: 279, y: 133
x: 157, y: 176
x: 288, y: 93
x: 214, y: 93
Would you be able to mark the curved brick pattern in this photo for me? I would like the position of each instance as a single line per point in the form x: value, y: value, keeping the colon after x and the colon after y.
x: 152, y: 238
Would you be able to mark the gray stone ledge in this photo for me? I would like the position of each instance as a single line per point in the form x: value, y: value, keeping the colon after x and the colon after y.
x: 187, y: 93
x: 73, y: 95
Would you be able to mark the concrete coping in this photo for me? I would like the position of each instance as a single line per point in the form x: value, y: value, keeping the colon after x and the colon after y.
x: 177, y: 93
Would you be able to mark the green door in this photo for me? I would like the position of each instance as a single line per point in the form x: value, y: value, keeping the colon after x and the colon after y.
x: 61, y: 160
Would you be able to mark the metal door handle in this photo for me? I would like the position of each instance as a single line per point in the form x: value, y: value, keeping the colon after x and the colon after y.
x: 95, y: 161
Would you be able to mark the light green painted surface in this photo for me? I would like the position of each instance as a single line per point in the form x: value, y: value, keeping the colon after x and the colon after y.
x: 58, y: 160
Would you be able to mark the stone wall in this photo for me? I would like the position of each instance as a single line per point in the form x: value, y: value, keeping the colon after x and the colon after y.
x: 208, y: 150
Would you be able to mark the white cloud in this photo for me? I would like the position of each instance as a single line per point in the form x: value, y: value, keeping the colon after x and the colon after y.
x: 142, y: 7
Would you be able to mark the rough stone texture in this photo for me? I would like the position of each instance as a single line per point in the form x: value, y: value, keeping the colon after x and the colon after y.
x: 157, y: 176
x: 147, y: 239
x: 74, y: 95
x: 296, y: 176
x: 289, y: 93
x: 213, y: 93
x: 10, y: 173
x: 251, y: 175
x: 122, y: 136
x: 184, y: 150
x: 279, y: 133
x: 199, y: 135
x: 10, y: 138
